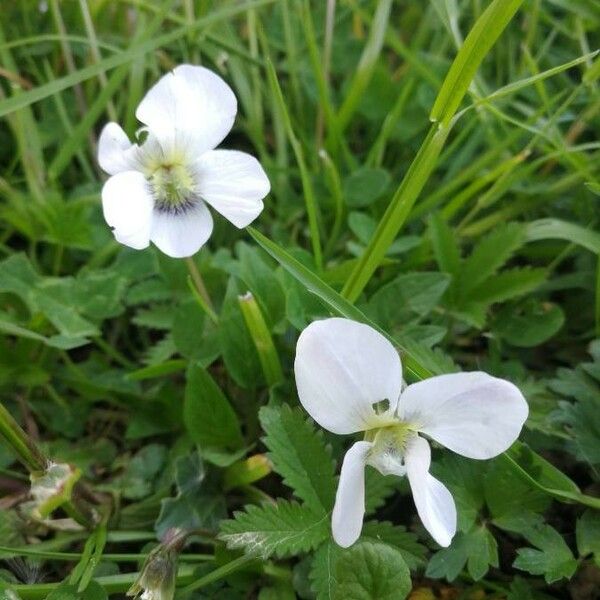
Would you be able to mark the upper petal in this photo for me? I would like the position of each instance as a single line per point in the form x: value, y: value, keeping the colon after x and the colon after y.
x: 115, y: 152
x: 342, y: 368
x: 473, y: 414
x: 181, y: 234
x: 434, y: 502
x: 190, y: 109
x: 233, y: 183
x: 127, y: 206
x: 349, y: 508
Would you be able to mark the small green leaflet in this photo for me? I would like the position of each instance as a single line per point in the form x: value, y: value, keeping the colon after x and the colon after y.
x: 300, y: 455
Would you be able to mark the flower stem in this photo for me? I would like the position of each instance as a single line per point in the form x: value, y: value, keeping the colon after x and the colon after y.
x: 201, y: 292
x: 23, y: 446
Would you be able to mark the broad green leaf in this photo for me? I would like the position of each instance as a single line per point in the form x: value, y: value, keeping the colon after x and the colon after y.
x: 365, y: 186
x: 300, y: 455
x: 509, y: 284
x: 544, y: 476
x: 188, y: 329
x: 588, y: 535
x: 487, y: 29
x: 322, y: 571
x: 283, y: 529
x: 477, y: 550
x: 528, y: 323
x: 142, y: 471
x: 507, y: 494
x: 198, y: 503
x: 237, y: 347
x: 209, y: 418
x: 552, y: 558
x: 464, y: 478
x: 371, y: 571
x: 396, y: 536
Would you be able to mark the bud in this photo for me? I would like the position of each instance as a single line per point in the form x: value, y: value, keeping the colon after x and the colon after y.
x: 158, y: 575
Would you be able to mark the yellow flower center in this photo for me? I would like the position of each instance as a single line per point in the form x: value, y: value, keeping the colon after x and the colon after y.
x: 172, y: 186
x: 389, y: 446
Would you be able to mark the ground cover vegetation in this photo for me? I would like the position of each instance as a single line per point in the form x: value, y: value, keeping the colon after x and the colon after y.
x: 434, y: 173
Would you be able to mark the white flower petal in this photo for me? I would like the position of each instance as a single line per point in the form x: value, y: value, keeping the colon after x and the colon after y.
x: 349, y: 508
x: 190, y: 108
x: 127, y: 206
x: 183, y: 234
x: 342, y: 368
x: 233, y: 183
x: 434, y: 502
x: 115, y: 152
x: 473, y: 414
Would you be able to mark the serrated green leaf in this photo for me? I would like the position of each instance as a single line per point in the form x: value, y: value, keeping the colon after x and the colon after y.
x: 490, y: 253
x: 300, y: 455
x: 445, y: 246
x: 509, y: 284
x: 283, y: 529
x: 322, y: 571
x: 588, y: 535
x: 477, y: 550
x: 371, y: 571
x: 396, y: 536
x: 553, y: 559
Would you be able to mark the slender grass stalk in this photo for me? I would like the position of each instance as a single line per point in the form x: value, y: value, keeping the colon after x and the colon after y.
x: 95, y: 51
x: 309, y: 196
x: 202, y: 295
x: 220, y: 573
x: 22, y: 445
x: 397, y: 211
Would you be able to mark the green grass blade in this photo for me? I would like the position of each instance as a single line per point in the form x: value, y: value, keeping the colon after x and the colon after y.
x: 480, y: 40
x: 366, y: 65
x: 397, y: 211
x: 331, y: 298
x: 309, y: 196
x: 548, y: 229
x: 14, y: 103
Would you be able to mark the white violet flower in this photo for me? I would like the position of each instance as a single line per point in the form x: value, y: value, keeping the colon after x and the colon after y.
x: 159, y: 189
x: 349, y: 379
